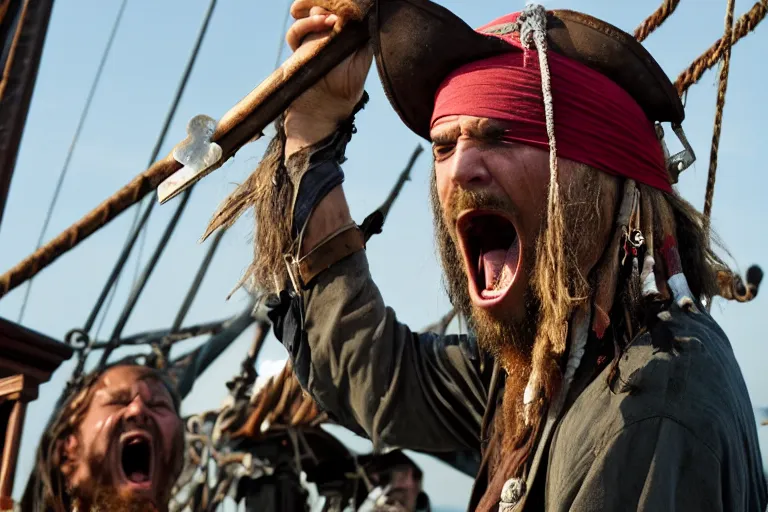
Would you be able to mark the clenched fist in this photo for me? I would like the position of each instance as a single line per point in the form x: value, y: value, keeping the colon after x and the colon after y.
x: 316, y: 113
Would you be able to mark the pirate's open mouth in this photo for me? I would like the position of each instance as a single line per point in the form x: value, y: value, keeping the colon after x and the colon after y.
x: 136, y: 458
x: 491, y: 250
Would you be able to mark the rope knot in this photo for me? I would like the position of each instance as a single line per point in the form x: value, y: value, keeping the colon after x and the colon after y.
x: 532, y: 24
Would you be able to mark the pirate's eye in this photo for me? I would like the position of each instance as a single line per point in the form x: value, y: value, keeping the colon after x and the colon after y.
x: 442, y: 151
x: 160, y: 404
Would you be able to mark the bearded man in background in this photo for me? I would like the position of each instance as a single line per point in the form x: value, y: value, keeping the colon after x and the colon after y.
x: 117, y: 444
x: 593, y: 377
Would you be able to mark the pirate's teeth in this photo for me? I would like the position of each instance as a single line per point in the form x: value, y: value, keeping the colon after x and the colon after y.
x: 480, y: 262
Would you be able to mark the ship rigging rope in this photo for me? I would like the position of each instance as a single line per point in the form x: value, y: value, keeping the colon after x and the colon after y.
x: 743, y: 26
x: 138, y: 288
x: 721, y: 89
x: 655, y: 20
x: 281, y: 43
x: 73, y: 145
x: 109, y: 289
x: 214, y: 245
x: 142, y: 243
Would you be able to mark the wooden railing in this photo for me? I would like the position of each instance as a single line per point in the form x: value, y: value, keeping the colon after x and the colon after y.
x: 27, y: 359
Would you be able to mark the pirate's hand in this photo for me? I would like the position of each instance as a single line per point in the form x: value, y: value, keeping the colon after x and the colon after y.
x: 317, y: 113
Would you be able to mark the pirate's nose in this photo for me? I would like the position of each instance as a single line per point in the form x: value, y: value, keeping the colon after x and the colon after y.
x: 136, y: 411
x: 468, y: 167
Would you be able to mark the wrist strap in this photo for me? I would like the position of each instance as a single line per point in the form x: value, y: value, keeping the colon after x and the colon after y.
x: 323, y: 172
x: 316, y: 183
x: 338, y: 245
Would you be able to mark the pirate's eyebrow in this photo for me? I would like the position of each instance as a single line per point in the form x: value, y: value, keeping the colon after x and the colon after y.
x: 122, y: 395
x: 492, y: 128
x: 160, y: 395
x: 483, y: 129
x: 446, y: 134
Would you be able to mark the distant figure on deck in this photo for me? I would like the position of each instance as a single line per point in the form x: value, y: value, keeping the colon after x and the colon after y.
x: 115, y: 445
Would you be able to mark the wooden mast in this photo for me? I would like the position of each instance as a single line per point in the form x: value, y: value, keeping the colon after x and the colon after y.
x: 27, y: 358
x: 23, y: 25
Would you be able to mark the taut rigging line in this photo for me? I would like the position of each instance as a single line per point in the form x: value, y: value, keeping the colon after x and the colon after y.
x: 133, y: 235
x: 73, y: 145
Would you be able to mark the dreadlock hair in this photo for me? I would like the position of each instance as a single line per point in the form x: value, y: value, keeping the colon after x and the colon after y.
x: 47, y: 489
x: 695, y: 243
x: 666, y: 215
x: 663, y: 216
x: 269, y: 190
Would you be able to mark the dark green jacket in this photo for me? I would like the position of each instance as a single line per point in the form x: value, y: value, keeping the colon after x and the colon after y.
x: 676, y: 432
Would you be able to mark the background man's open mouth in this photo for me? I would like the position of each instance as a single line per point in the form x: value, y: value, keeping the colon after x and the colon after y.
x: 491, y: 250
x: 136, y: 459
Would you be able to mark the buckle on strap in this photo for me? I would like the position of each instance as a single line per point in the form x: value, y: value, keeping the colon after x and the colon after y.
x: 292, y: 267
x: 333, y: 248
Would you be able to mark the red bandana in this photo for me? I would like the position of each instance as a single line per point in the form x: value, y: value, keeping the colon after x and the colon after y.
x: 597, y: 123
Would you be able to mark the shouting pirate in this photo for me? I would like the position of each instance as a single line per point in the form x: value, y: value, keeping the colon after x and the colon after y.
x: 593, y: 377
x: 116, y: 444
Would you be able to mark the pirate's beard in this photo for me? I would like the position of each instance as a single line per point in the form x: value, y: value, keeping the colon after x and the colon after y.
x: 102, y: 494
x: 503, y: 336
x: 106, y: 498
x: 509, y: 339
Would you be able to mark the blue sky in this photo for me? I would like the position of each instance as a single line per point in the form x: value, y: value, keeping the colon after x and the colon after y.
x: 139, y: 80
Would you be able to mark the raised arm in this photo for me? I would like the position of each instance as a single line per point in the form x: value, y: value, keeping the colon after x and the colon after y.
x: 425, y: 392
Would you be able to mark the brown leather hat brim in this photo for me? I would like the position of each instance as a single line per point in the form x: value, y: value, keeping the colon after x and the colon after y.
x: 417, y: 43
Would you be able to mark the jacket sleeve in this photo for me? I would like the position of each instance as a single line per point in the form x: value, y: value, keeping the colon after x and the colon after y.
x: 372, y: 374
x: 654, y: 464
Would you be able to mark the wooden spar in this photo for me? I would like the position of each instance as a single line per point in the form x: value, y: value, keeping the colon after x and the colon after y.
x: 28, y: 22
x: 242, y: 124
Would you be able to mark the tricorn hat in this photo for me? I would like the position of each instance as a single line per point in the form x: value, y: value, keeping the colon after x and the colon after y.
x: 418, y: 43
